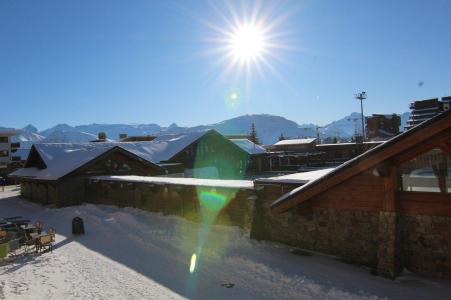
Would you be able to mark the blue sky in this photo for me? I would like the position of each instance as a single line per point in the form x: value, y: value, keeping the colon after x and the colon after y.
x: 80, y: 62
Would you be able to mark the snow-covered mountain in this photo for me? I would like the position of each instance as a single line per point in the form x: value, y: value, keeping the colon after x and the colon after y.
x: 71, y: 136
x: 269, y: 128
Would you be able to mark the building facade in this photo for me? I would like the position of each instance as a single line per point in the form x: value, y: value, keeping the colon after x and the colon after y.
x: 389, y: 208
x: 422, y: 110
x: 382, y: 127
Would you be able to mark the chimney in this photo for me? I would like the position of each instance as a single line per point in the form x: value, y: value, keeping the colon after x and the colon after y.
x: 102, y: 136
x: 122, y: 136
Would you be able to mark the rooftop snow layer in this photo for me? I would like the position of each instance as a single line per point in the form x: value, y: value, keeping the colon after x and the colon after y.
x: 248, y: 146
x: 63, y: 158
x: 295, y: 142
x: 239, y: 184
x: 300, y: 178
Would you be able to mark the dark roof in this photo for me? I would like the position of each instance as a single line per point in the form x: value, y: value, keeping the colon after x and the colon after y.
x: 368, y: 159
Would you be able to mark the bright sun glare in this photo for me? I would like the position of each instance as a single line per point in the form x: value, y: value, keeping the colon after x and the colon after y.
x: 247, y: 43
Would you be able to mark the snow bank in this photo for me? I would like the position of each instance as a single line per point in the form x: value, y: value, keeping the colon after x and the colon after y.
x: 131, y: 254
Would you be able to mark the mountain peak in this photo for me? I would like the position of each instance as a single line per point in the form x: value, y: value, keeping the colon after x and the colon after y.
x: 30, y: 128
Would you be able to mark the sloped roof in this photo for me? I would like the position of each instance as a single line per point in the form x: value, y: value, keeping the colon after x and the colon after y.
x: 295, y: 142
x: 63, y: 158
x: 300, y: 178
x: 419, y: 134
x: 248, y: 146
x: 171, y: 144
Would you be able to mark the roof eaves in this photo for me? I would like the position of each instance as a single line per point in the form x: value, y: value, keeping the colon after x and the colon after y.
x: 276, y: 206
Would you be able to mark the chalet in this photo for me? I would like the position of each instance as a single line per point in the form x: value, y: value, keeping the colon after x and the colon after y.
x: 389, y: 208
x: 205, y: 154
x: 295, y: 145
x: 257, y: 155
x: 55, y: 173
x: 341, y: 152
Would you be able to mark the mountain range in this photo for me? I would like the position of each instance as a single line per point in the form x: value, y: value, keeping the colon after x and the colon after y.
x: 268, y: 127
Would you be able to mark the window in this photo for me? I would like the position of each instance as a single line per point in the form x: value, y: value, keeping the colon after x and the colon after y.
x: 4, y: 139
x: 4, y: 153
x: 428, y: 172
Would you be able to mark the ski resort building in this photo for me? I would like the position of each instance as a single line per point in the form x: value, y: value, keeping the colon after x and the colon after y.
x: 389, y: 208
x: 56, y: 173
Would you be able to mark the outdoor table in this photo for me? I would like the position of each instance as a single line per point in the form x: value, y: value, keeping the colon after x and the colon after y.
x: 28, y: 227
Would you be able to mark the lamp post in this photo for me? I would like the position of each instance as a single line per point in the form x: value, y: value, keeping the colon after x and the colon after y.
x: 361, y: 96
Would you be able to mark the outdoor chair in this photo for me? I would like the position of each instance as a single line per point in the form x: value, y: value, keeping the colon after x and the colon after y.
x: 39, y: 226
x: 44, y: 241
x: 29, y: 243
x: 52, y: 232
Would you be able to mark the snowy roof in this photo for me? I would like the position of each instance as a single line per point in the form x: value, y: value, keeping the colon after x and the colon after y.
x: 239, y: 184
x: 174, y: 143
x: 248, y: 146
x: 63, y: 158
x: 300, y: 178
x: 295, y: 142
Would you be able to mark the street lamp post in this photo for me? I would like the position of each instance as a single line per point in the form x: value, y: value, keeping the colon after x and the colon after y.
x: 361, y: 96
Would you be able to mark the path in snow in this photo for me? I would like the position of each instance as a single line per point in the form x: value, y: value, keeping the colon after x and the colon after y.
x: 133, y: 254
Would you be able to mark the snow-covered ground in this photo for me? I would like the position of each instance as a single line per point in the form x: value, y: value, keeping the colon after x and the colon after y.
x: 131, y: 254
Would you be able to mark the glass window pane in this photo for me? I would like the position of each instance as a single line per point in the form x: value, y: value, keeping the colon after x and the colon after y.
x: 428, y: 172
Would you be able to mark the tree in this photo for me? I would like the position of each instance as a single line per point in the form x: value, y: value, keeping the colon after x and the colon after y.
x: 253, y: 134
x: 281, y: 137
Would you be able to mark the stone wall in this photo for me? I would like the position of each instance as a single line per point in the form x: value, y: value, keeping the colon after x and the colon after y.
x: 351, y: 235
x: 175, y: 200
x: 425, y: 242
x: 388, y: 242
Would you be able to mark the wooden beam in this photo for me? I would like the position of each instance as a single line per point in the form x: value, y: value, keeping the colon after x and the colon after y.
x: 368, y: 160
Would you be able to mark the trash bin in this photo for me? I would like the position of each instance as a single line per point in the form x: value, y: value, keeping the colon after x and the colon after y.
x: 78, y: 226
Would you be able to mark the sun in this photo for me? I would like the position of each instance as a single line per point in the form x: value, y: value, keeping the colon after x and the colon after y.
x: 247, y: 43
x: 248, y: 38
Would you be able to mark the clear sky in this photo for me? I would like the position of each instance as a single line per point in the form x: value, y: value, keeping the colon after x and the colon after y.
x: 140, y: 61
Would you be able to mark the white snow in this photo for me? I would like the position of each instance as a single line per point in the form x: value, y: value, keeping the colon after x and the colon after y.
x: 131, y: 254
x: 295, y: 142
x: 62, y: 158
x: 248, y: 146
x: 239, y: 184
x: 300, y: 178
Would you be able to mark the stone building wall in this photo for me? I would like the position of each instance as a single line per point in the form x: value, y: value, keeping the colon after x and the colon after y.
x: 349, y: 234
x: 425, y: 242
x: 176, y: 200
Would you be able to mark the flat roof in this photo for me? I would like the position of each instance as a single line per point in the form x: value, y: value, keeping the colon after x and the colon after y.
x: 223, y: 183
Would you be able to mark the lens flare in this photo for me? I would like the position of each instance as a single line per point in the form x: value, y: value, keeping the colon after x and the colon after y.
x: 192, y: 266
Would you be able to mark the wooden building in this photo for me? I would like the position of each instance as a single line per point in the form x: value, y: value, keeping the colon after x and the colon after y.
x: 295, y: 145
x: 389, y: 208
x: 381, y: 127
x: 55, y: 173
x: 205, y: 154
x: 341, y: 152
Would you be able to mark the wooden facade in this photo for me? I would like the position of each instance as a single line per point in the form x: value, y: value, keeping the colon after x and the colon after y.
x: 70, y: 189
x: 407, y: 183
x: 214, y: 150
